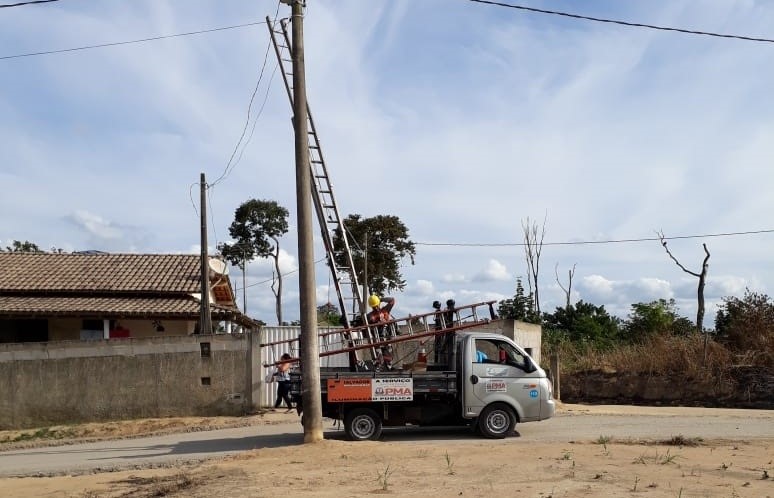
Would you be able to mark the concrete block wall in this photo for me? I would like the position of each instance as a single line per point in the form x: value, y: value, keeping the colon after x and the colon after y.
x: 75, y: 381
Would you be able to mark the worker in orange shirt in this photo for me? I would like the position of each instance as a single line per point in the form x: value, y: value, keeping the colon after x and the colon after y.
x: 378, y: 316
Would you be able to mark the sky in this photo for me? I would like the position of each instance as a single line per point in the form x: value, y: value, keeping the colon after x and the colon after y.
x: 465, y: 120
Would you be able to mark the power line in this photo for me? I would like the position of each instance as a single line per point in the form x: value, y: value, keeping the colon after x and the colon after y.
x: 19, y: 4
x: 272, y: 279
x: 142, y: 40
x: 229, y: 166
x: 212, y: 215
x: 624, y: 23
x: 590, y: 242
x: 586, y: 242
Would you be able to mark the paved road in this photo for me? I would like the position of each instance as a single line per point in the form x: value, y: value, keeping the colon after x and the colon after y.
x: 576, y: 424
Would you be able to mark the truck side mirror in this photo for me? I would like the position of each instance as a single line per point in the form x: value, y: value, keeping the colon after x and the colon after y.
x: 474, y: 379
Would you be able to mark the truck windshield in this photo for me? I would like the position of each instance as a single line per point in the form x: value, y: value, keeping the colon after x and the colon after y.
x: 494, y: 351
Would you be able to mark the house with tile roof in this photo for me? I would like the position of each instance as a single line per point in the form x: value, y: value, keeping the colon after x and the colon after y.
x: 83, y: 296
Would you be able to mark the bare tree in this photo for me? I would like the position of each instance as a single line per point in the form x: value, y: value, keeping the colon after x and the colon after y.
x: 533, y: 246
x: 702, y: 276
x: 568, y: 290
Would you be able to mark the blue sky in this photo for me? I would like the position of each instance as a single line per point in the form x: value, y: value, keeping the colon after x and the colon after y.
x: 461, y: 119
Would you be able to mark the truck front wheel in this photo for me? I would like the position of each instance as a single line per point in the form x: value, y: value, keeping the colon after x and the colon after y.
x: 362, y: 424
x: 496, y: 421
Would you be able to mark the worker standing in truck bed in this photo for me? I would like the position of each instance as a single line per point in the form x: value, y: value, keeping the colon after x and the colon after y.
x: 379, y: 316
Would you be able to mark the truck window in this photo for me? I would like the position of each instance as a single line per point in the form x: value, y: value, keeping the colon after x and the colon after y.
x: 494, y: 351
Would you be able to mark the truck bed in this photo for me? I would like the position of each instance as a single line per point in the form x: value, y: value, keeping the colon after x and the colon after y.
x: 423, y: 382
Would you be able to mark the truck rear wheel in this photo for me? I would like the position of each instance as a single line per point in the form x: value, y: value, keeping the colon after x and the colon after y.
x: 362, y: 424
x: 496, y: 421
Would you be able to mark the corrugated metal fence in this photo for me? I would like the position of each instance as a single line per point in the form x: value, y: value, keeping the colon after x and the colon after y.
x: 270, y: 354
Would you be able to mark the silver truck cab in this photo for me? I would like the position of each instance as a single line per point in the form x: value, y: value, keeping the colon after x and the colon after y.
x: 501, y: 384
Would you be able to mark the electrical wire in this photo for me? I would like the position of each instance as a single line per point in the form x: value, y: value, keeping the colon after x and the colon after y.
x: 212, y: 215
x: 19, y: 4
x: 623, y: 23
x: 590, y: 242
x: 227, y: 170
x: 615, y: 241
x: 190, y: 196
x: 260, y: 111
x: 272, y: 279
x: 499, y: 4
x: 128, y: 42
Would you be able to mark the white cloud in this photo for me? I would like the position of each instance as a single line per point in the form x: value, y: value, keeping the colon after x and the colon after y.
x: 652, y: 289
x: 95, y: 225
x: 494, y: 271
x: 597, y: 287
x: 424, y: 287
x: 451, y: 278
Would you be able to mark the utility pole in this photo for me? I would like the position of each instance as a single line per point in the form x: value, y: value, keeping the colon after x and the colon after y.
x: 310, y: 349
x: 205, y: 322
x: 363, y: 309
x: 244, y: 282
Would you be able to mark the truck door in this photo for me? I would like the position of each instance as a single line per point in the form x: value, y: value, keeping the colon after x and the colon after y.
x: 500, y: 372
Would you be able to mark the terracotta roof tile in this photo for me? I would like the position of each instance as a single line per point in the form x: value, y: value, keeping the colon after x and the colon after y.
x: 99, y: 273
x: 173, y: 307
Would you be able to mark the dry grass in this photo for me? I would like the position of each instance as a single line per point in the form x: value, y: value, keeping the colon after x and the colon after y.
x: 657, y: 355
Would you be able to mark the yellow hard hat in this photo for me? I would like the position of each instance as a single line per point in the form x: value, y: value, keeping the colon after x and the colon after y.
x: 373, y: 300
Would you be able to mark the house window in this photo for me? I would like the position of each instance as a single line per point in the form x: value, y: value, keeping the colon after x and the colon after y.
x: 93, y: 330
x: 24, y: 330
x: 93, y: 325
x: 205, y: 347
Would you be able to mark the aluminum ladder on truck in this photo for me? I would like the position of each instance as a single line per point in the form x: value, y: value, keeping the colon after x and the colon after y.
x: 419, y: 328
x: 328, y: 217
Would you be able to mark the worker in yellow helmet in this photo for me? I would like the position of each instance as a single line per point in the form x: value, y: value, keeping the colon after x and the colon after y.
x: 379, y: 316
x: 378, y: 313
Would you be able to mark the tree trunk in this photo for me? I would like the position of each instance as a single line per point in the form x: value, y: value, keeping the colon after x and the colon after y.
x: 278, y: 281
x: 702, y: 279
x: 533, y: 246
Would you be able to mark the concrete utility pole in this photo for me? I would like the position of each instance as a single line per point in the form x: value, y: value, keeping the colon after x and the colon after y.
x: 205, y: 322
x: 244, y: 282
x: 310, y: 349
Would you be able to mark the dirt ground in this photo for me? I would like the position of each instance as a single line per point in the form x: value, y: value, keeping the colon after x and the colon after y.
x: 515, y: 467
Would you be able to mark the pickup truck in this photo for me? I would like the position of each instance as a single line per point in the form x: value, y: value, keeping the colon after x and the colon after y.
x: 487, y: 383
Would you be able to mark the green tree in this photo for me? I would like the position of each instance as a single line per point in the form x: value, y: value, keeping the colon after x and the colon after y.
x: 520, y: 307
x: 383, y: 241
x: 329, y: 315
x: 655, y: 317
x: 25, y: 246
x: 747, y: 324
x: 257, y: 228
x: 583, y: 323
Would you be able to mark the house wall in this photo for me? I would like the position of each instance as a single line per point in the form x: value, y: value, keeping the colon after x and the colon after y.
x: 69, y: 329
x: 64, y: 329
x: 80, y: 381
x: 146, y: 328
